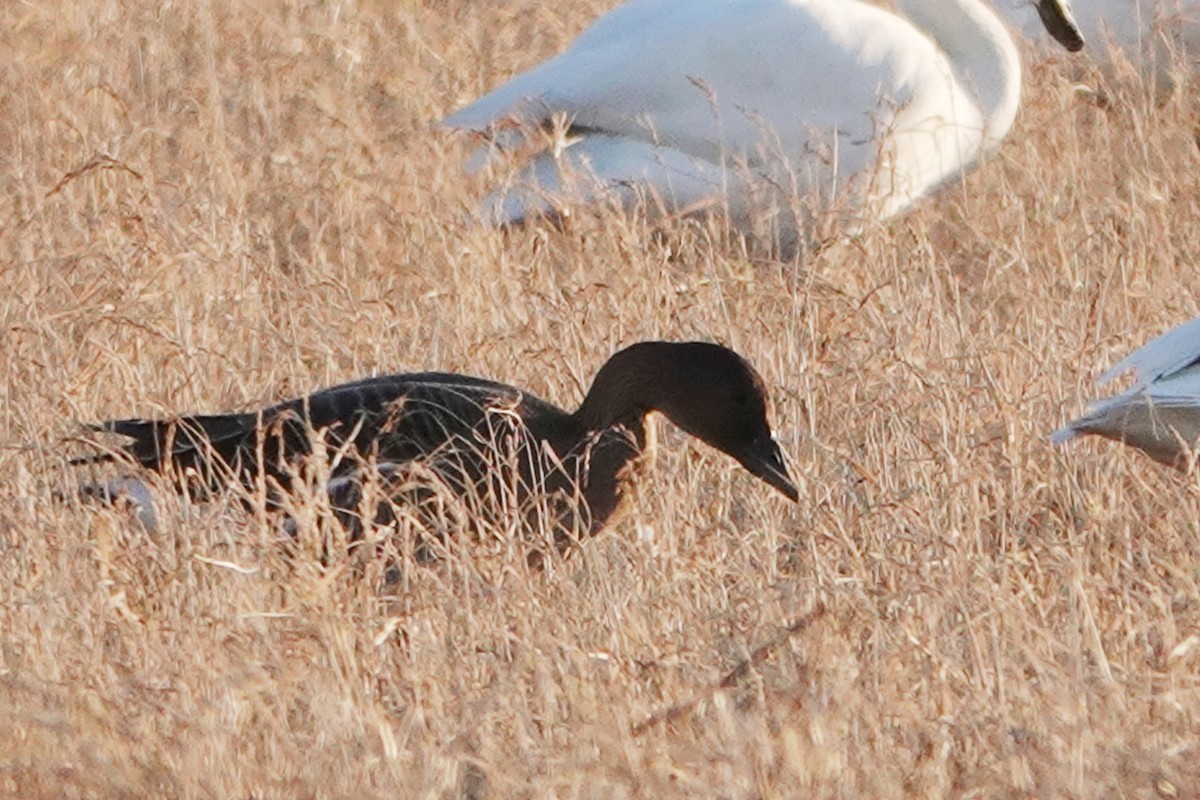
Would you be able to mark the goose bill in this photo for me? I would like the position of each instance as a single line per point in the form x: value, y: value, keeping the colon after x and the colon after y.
x: 765, y: 461
x: 1059, y: 20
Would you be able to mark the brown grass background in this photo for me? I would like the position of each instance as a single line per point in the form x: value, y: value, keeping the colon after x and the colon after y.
x: 209, y: 204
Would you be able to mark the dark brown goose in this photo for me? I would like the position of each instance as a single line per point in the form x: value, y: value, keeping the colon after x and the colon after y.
x: 479, y: 438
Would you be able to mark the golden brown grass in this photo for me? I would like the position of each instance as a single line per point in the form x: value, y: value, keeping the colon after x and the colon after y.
x: 207, y: 205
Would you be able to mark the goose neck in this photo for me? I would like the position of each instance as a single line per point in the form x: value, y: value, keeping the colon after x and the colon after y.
x: 626, y: 388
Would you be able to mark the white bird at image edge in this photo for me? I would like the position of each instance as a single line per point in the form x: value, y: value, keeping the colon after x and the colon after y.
x: 1160, y: 413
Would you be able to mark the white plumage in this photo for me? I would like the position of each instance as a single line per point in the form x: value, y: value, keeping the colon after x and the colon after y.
x: 747, y: 104
x: 1160, y: 414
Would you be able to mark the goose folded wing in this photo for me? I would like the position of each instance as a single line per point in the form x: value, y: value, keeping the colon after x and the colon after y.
x: 403, y: 415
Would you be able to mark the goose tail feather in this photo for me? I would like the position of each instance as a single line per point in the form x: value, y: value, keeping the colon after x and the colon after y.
x: 153, y: 442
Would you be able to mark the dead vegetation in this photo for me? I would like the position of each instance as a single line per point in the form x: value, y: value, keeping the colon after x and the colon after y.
x: 211, y: 205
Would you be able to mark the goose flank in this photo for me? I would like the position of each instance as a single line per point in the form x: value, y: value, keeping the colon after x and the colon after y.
x: 481, y: 439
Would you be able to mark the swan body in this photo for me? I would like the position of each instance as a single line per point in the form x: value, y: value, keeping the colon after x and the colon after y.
x: 1160, y: 413
x: 1145, y: 32
x: 746, y: 104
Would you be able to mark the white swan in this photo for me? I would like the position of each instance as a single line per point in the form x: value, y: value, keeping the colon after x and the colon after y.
x: 751, y: 103
x: 1160, y: 414
x: 1147, y: 33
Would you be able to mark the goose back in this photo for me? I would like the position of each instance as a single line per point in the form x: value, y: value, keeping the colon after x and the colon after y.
x: 480, y: 440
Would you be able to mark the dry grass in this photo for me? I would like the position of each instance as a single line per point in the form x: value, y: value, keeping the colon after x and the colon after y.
x: 210, y: 204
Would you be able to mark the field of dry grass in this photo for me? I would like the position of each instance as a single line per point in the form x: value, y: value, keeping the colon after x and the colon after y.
x: 208, y: 204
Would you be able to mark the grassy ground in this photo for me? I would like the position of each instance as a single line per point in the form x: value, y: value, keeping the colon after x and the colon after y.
x: 208, y: 205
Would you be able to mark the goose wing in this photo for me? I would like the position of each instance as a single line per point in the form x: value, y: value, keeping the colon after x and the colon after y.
x: 397, y: 417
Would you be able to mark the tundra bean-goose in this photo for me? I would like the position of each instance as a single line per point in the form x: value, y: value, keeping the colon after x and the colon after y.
x: 428, y: 433
x: 1160, y: 413
x: 748, y: 106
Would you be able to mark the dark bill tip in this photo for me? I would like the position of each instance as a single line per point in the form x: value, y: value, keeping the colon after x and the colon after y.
x: 785, y: 486
x: 765, y: 462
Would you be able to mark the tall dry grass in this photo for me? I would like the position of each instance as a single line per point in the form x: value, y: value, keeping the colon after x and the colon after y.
x: 207, y: 205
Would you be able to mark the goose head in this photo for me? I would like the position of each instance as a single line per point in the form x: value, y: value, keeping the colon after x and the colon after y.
x: 705, y: 389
